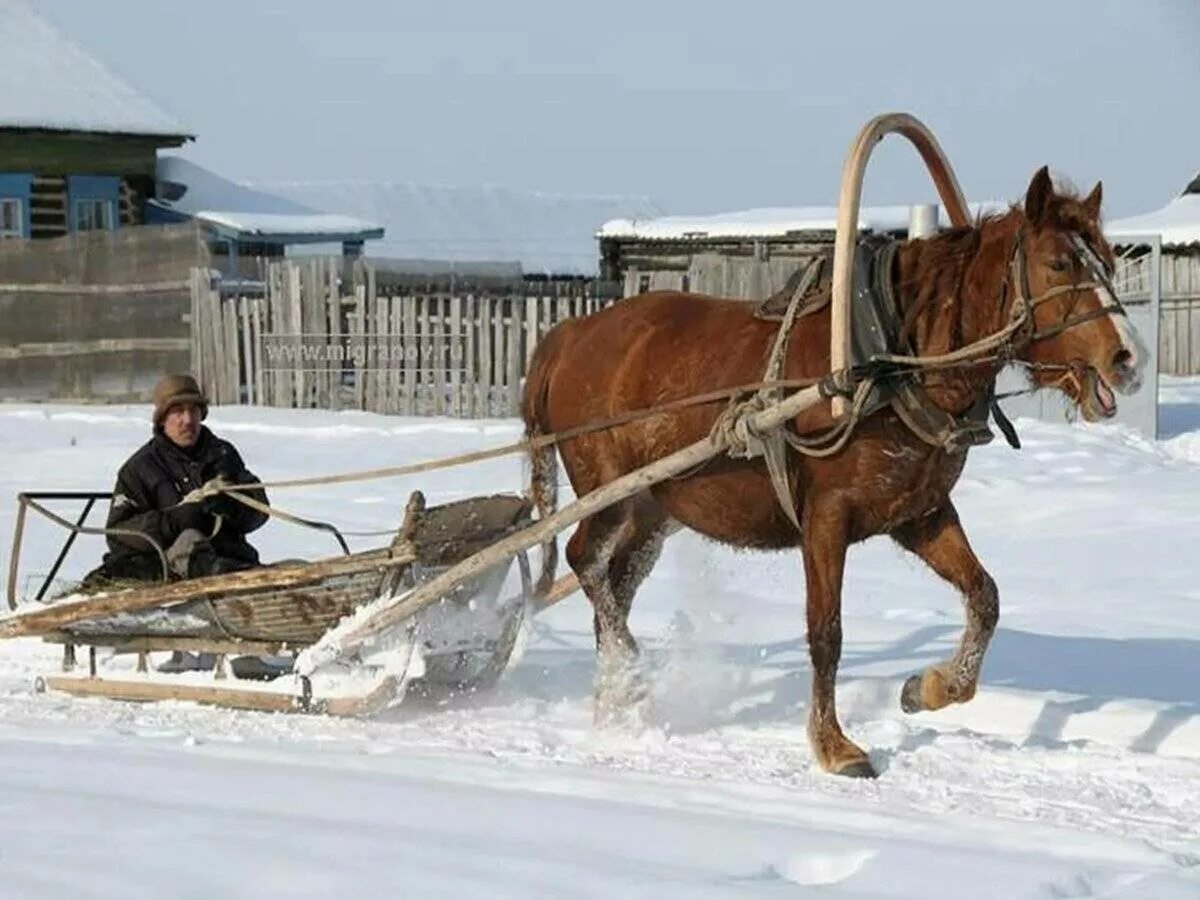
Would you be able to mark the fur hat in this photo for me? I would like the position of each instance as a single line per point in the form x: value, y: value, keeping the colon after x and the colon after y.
x: 172, y: 389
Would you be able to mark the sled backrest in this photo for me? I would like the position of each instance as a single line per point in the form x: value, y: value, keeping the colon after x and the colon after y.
x: 449, y: 533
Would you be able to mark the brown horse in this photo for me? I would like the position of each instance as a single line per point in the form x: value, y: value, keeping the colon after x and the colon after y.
x: 953, y: 288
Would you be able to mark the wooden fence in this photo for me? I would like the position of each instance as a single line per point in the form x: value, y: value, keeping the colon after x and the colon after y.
x: 313, y: 338
x: 1179, y: 305
x: 95, y: 316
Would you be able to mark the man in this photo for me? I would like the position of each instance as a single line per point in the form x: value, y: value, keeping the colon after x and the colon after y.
x: 200, y: 537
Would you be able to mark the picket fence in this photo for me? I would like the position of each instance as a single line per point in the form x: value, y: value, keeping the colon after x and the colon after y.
x: 312, y: 337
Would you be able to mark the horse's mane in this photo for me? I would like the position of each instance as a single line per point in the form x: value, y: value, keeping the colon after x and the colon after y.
x: 938, y: 269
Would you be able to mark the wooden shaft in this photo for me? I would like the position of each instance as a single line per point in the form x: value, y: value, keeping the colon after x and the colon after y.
x: 847, y: 221
x: 561, y: 589
x: 387, y: 612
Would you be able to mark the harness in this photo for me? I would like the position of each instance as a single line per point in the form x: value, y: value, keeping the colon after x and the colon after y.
x: 880, y: 313
x: 884, y: 362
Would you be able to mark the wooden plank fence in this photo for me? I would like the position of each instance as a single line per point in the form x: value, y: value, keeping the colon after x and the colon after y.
x: 1179, y: 306
x: 312, y: 340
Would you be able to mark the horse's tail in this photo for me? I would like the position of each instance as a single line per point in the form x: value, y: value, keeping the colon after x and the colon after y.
x: 543, y: 463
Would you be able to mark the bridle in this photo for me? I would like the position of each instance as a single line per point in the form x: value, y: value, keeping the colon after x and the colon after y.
x: 1022, y: 330
x: 1023, y: 306
x: 1002, y: 346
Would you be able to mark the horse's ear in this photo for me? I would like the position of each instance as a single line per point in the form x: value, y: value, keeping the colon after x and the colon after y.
x: 1091, y: 203
x: 1037, y: 198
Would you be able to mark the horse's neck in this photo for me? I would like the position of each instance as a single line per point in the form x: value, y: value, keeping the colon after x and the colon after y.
x: 952, y: 293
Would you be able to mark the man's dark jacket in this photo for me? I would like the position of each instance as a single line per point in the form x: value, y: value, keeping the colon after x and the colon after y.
x: 155, y: 479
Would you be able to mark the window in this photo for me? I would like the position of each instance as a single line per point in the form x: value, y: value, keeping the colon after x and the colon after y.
x: 11, y: 219
x: 93, y: 215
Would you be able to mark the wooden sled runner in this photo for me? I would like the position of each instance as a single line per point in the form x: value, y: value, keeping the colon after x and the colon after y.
x: 241, y: 622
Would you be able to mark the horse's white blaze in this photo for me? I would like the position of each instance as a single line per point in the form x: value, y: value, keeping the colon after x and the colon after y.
x: 1132, y: 341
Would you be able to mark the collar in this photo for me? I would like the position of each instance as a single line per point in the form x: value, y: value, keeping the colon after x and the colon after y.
x: 166, y: 445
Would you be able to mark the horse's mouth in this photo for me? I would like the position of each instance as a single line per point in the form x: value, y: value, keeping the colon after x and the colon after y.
x: 1092, y: 394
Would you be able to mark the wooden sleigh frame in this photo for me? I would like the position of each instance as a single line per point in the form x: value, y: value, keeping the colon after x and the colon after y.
x: 269, y: 611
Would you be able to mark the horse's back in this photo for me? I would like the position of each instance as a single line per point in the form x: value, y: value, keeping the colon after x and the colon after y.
x: 684, y: 326
x: 651, y: 349
x: 667, y: 345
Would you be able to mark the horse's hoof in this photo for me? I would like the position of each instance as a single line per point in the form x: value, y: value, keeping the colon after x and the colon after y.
x: 910, y: 695
x: 860, y: 769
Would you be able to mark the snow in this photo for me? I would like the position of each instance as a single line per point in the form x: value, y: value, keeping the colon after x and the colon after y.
x: 770, y: 222
x: 544, y: 232
x: 1178, y: 222
x: 222, y: 202
x: 1074, y: 772
x: 49, y: 81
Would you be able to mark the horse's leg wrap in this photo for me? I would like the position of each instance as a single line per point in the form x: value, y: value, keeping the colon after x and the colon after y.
x: 939, y: 540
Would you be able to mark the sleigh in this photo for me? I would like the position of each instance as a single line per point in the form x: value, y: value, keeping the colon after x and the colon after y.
x: 243, y: 631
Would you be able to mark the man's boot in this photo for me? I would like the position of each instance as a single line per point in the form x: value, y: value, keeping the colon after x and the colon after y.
x: 185, y: 661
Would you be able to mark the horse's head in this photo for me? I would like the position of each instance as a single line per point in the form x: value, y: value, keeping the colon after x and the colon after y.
x: 1081, y: 340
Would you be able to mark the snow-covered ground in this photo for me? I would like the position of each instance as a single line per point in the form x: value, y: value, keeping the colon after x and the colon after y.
x: 1075, y: 772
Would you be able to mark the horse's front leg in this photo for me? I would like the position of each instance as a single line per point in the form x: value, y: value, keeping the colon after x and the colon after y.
x: 824, y: 539
x: 939, y: 540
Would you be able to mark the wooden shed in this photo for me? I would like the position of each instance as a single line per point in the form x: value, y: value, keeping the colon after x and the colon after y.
x: 748, y: 254
x: 1178, y: 226
x: 78, y: 145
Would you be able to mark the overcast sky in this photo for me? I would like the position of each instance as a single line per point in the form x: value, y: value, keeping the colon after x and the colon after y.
x: 704, y: 107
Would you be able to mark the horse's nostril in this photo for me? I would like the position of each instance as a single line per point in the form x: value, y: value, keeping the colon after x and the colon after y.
x: 1122, y: 359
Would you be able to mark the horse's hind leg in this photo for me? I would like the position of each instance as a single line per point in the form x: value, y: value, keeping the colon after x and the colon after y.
x: 939, y: 540
x: 590, y: 553
x: 638, y: 551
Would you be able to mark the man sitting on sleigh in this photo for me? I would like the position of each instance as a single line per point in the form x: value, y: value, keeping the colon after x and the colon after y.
x: 201, y: 536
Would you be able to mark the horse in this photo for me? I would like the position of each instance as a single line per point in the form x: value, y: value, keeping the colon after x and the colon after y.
x: 953, y: 288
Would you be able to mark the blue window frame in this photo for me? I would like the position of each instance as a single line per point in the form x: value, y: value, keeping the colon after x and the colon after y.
x: 93, y: 201
x: 14, y: 204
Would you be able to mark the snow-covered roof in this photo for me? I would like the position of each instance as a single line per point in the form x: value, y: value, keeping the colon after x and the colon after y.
x: 770, y: 222
x: 1178, y: 222
x: 245, y: 211
x: 544, y: 232
x: 48, y: 81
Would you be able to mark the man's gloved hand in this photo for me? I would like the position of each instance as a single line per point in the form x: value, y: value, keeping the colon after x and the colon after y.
x: 190, y: 515
x: 220, y: 503
x: 207, y: 491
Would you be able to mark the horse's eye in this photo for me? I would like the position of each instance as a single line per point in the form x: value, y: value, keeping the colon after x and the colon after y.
x: 1060, y: 264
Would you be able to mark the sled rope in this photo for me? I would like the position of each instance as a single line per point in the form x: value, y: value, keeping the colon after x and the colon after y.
x: 533, y: 443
